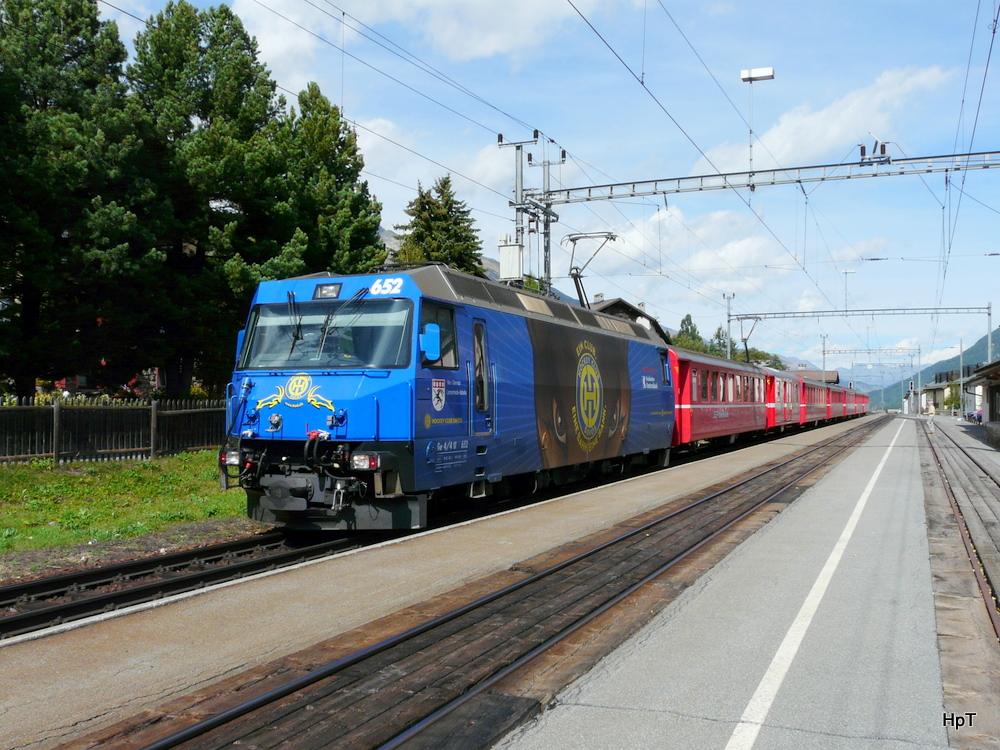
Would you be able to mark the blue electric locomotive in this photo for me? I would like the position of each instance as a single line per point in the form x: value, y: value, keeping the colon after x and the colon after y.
x: 357, y: 399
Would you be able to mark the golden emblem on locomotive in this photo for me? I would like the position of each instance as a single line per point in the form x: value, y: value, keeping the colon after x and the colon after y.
x: 589, y: 411
x: 297, y: 387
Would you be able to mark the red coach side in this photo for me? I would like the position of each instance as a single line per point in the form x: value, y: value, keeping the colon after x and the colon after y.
x: 717, y: 397
x: 783, y: 399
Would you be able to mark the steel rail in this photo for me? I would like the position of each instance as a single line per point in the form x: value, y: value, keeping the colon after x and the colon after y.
x: 985, y: 588
x: 58, y: 614
x: 235, y: 712
x: 69, y: 583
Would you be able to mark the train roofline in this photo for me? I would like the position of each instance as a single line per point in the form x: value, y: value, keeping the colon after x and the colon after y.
x: 440, y: 282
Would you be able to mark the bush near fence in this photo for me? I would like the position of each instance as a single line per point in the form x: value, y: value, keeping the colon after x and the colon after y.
x: 100, y: 429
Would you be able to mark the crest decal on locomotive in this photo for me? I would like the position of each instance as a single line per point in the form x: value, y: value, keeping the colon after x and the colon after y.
x: 297, y: 388
x: 582, y: 393
x: 589, y: 411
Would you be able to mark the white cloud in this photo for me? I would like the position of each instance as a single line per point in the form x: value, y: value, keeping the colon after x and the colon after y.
x: 804, y: 135
x: 290, y: 43
x: 468, y: 29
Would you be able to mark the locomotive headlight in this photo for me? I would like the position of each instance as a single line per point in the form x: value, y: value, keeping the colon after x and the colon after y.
x: 232, y: 458
x: 364, y: 461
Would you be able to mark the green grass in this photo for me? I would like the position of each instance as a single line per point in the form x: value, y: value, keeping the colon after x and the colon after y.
x: 44, y: 506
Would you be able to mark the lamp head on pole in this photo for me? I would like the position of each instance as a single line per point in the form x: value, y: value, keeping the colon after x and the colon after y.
x: 756, y: 74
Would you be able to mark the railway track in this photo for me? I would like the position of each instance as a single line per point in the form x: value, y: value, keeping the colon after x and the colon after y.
x: 56, y: 600
x: 428, y: 686
x: 973, y: 491
x: 48, y: 602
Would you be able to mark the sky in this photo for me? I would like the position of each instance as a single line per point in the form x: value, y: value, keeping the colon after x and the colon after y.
x: 637, y: 90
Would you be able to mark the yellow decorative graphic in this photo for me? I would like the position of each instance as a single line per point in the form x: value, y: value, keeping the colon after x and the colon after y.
x: 273, y: 400
x: 318, y: 401
x: 298, y: 387
x: 589, y: 412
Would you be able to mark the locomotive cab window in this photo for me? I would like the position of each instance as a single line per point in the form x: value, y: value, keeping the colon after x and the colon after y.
x: 329, y: 335
x: 444, y: 317
x: 665, y: 367
x: 481, y: 368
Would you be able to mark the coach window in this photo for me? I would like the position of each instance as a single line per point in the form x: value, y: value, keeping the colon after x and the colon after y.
x: 694, y: 384
x: 665, y: 367
x: 444, y: 316
x: 739, y: 387
x: 481, y: 368
x: 714, y: 377
x: 704, y: 385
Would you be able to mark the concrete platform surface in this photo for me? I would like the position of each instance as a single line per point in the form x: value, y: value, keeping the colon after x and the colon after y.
x: 818, y: 632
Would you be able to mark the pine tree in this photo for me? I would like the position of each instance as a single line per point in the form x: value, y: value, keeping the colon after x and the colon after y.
x: 245, y: 190
x: 141, y: 205
x: 441, y: 229
x: 66, y: 147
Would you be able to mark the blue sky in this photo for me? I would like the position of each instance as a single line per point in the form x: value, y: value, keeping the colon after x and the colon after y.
x: 915, y: 75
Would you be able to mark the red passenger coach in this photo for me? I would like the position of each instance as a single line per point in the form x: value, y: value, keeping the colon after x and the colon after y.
x: 838, y: 402
x: 783, y: 400
x: 814, y: 407
x: 716, y: 397
x: 857, y: 403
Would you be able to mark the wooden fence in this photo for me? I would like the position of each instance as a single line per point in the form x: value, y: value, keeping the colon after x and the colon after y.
x: 94, y: 430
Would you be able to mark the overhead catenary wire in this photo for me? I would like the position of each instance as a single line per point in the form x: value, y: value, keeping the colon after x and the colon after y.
x: 691, y: 140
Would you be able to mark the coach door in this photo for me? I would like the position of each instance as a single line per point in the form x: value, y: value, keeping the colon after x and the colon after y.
x: 481, y: 381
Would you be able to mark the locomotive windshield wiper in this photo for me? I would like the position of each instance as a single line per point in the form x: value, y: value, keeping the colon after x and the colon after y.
x: 328, y: 326
x: 295, y: 320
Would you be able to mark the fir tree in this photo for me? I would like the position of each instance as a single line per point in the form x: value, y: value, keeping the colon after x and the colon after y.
x: 441, y: 229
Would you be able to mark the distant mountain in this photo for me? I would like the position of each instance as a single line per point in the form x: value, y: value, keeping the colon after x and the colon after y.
x: 390, y: 238
x: 975, y: 355
x: 793, y: 363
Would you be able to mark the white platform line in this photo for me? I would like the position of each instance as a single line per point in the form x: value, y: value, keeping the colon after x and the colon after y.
x: 745, y: 734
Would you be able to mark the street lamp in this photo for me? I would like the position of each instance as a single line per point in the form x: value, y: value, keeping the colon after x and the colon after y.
x: 749, y: 76
x: 845, y: 272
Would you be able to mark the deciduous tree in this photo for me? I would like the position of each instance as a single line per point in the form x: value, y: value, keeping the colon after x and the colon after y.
x: 688, y: 336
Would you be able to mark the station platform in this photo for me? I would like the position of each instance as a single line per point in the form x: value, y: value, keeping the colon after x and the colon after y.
x: 892, y: 649
x: 848, y: 621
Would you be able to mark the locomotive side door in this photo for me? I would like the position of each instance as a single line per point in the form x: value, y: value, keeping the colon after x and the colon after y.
x: 481, y: 378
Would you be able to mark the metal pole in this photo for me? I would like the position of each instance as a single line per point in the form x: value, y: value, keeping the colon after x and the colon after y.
x: 750, y: 123
x: 56, y: 431
x: 546, y: 231
x: 518, y: 190
x: 961, y: 379
x: 920, y: 386
x: 729, y: 319
x: 154, y: 428
x: 519, y: 196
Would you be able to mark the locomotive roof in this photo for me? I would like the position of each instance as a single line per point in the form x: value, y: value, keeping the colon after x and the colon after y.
x: 445, y: 283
